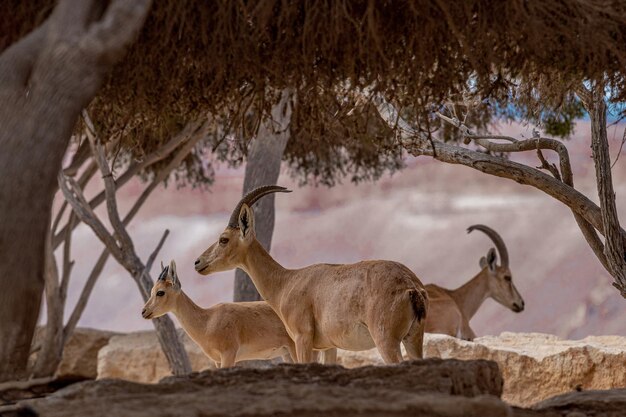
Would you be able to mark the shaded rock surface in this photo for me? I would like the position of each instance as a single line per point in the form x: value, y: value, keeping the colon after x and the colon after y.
x: 534, y: 366
x: 138, y: 357
x: 597, y: 403
x: 80, y: 356
x: 425, y: 388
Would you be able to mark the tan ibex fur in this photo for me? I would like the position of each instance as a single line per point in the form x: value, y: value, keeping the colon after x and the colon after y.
x: 352, y: 307
x: 451, y: 310
x: 228, y: 332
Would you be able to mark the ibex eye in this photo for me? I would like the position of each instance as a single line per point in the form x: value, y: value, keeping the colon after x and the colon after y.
x: 223, y: 240
x: 160, y: 293
x: 507, y: 278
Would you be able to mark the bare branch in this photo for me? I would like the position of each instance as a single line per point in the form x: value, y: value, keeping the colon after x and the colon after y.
x: 566, y: 174
x: 78, y: 159
x: 17, y: 385
x: 67, y: 262
x: 156, y: 251
x: 548, y: 166
x: 84, y: 295
x: 621, y: 146
x: 587, y: 211
x: 82, y: 182
x: 136, y: 167
x: 74, y: 196
x: 119, y: 231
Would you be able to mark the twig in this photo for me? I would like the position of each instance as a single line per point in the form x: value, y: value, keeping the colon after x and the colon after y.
x: 68, y: 264
x: 620, y: 149
x: 548, y: 166
x: 156, y: 251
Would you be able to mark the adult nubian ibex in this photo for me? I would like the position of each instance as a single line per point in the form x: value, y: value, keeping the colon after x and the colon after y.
x: 451, y: 310
x: 227, y: 332
x: 324, y: 306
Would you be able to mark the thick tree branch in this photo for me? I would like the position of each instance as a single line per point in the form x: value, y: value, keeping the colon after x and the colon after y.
x: 586, y: 213
x: 17, y: 61
x: 564, y: 175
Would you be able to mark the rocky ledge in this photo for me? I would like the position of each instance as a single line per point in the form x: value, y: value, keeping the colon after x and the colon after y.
x: 426, y: 388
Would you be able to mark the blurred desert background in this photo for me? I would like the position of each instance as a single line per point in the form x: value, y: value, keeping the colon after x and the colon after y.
x: 417, y: 216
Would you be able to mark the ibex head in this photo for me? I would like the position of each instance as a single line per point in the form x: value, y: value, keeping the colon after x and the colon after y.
x: 164, y: 293
x: 229, y: 250
x: 501, y: 287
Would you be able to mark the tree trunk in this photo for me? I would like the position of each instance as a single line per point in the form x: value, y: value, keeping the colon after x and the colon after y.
x: 262, y: 168
x: 49, y: 357
x: 614, y: 243
x: 46, y: 78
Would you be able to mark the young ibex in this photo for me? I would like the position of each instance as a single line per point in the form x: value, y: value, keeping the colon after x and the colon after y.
x: 451, y: 310
x: 323, y: 306
x: 227, y: 332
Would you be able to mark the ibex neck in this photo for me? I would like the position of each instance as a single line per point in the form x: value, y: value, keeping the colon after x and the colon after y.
x: 191, y: 317
x: 470, y: 296
x: 267, y: 274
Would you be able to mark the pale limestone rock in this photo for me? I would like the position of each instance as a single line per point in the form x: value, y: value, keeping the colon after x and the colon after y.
x: 138, y: 357
x: 534, y: 366
x: 80, y: 355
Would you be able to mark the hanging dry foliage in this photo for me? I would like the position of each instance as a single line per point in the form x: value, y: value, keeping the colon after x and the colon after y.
x: 197, y: 56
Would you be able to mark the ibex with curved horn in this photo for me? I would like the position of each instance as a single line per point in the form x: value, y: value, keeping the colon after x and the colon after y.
x: 228, y: 332
x: 324, y: 306
x: 451, y: 310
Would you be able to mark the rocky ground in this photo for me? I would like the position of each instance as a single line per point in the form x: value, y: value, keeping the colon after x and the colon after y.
x: 431, y: 387
x: 509, y: 375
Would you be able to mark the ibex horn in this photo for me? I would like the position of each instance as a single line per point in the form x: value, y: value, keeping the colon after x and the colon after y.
x: 497, y: 240
x: 252, y: 198
x: 163, y: 274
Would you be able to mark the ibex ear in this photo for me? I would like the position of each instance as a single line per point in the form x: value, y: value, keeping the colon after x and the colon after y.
x: 492, y: 258
x: 173, y: 275
x: 246, y: 222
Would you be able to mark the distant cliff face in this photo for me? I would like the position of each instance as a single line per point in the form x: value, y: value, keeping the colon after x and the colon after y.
x: 417, y: 217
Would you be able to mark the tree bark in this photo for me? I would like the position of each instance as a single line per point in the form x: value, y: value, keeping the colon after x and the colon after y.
x: 46, y: 78
x: 595, y: 103
x: 51, y: 351
x: 263, y: 168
